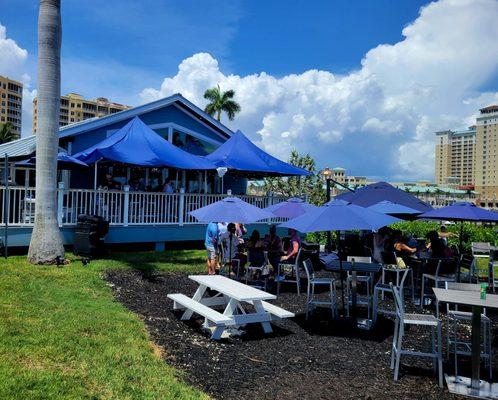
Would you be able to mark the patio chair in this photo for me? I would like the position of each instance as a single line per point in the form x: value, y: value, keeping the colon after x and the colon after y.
x: 424, y: 320
x: 439, y: 277
x: 289, y: 272
x: 456, y: 318
x: 480, y: 250
x: 310, y: 292
x: 493, y: 263
x: 257, y: 270
x: 360, y: 279
x: 381, y: 288
x: 465, y: 271
x: 390, y: 266
x: 225, y: 267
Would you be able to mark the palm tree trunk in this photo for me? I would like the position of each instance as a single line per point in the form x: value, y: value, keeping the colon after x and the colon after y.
x: 219, y: 116
x: 46, y: 240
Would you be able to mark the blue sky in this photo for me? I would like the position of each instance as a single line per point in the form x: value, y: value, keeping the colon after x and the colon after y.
x: 153, y: 37
x: 354, y: 83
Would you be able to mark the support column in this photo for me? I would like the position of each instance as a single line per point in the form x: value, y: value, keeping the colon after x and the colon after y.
x: 60, y: 203
x: 126, y: 205
x: 181, y: 206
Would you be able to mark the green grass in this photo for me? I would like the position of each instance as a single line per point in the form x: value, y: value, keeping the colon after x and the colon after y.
x: 63, y: 336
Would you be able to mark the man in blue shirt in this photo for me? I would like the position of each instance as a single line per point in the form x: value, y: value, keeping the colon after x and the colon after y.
x: 211, y: 244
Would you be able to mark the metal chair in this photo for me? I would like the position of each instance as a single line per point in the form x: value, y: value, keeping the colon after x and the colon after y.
x: 438, y: 278
x: 258, y: 266
x: 466, y: 266
x: 390, y: 266
x: 228, y: 266
x: 493, y: 263
x: 429, y: 321
x: 381, y: 288
x: 456, y: 317
x: 294, y: 273
x: 312, y: 283
x: 480, y: 250
x: 365, y: 279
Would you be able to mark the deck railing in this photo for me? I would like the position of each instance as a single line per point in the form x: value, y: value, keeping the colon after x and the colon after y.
x: 120, y: 208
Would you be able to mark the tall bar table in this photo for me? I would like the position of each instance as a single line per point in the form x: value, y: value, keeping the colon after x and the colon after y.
x: 476, y: 388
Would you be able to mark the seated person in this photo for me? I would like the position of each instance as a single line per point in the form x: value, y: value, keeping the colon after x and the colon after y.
x: 293, y: 249
x: 168, y: 187
x: 255, y: 249
x: 400, y: 247
x: 110, y: 183
x: 437, y: 246
x: 273, y: 244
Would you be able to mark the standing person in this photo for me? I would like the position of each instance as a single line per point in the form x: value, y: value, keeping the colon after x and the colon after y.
x: 211, y: 244
x: 231, y: 242
x: 168, y: 187
x: 379, y: 243
x: 294, y: 246
x: 241, y: 230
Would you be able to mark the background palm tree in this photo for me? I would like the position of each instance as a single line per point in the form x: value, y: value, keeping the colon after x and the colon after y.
x: 46, y: 240
x: 7, y: 133
x: 221, y: 101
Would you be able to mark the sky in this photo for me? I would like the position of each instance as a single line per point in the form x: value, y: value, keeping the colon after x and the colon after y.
x: 358, y: 84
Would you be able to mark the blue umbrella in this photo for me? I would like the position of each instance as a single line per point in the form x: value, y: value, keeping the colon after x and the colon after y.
x: 230, y: 209
x: 339, y: 215
x: 394, y: 209
x: 64, y: 161
x: 461, y: 211
x: 291, y: 208
x: 375, y: 192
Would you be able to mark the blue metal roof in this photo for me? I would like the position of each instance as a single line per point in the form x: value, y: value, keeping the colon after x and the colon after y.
x: 94, y: 123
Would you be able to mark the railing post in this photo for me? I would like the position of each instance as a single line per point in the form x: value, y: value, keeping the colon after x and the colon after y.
x: 126, y: 205
x: 60, y: 203
x: 181, y: 208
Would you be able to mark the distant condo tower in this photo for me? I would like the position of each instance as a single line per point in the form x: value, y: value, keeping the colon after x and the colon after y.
x: 468, y: 159
x: 486, y: 161
x: 75, y: 108
x: 11, y: 103
x: 455, y: 152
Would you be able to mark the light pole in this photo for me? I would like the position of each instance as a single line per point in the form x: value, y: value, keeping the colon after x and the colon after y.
x: 327, y: 174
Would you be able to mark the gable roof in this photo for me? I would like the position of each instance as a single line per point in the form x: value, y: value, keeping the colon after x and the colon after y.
x: 18, y: 149
x: 177, y: 99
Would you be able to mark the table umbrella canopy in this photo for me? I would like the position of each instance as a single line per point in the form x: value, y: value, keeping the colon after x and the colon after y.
x: 240, y: 154
x: 137, y: 144
x: 394, y: 209
x: 64, y: 161
x: 230, y: 209
x: 461, y: 211
x: 380, y: 191
x: 339, y: 215
x: 291, y: 208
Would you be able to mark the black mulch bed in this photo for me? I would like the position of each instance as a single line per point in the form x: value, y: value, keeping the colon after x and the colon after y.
x: 316, y: 359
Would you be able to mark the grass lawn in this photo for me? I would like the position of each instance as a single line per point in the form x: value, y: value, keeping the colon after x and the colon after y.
x: 62, y: 335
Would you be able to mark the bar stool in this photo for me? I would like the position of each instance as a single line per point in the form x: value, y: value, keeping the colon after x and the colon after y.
x: 456, y: 317
x: 381, y: 288
x: 429, y: 321
x: 312, y: 283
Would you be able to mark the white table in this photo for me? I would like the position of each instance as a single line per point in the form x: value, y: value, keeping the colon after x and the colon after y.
x: 235, y: 296
x: 473, y: 299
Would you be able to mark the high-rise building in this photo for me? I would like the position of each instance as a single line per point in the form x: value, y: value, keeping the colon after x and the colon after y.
x: 486, y: 161
x: 455, y: 157
x: 75, y: 108
x: 11, y: 103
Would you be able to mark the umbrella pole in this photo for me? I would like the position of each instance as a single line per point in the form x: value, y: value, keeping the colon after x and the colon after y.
x: 461, y: 237
x: 341, y: 271
x: 95, y: 176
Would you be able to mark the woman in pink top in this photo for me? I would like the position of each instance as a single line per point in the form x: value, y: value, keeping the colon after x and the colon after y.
x: 294, y: 245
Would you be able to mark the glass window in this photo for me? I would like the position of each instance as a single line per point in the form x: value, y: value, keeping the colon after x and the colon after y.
x: 192, y: 144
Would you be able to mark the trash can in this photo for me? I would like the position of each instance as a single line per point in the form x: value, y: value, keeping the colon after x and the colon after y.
x: 89, y: 235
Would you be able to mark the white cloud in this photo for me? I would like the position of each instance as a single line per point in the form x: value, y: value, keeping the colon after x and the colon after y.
x: 380, y: 119
x: 12, y: 57
x: 12, y: 64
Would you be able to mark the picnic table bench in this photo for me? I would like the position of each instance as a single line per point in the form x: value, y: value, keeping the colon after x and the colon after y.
x: 234, y: 297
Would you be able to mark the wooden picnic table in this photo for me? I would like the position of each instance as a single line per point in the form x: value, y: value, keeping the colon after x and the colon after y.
x: 234, y: 296
x: 473, y: 299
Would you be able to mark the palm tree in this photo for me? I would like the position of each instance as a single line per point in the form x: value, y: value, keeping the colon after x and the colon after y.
x: 46, y: 241
x: 7, y: 133
x: 221, y: 101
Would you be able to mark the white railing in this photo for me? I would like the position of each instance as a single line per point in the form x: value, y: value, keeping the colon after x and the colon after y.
x: 120, y: 208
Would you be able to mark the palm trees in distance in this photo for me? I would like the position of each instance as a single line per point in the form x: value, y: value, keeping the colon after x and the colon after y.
x: 7, y: 133
x: 221, y: 102
x: 46, y: 241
